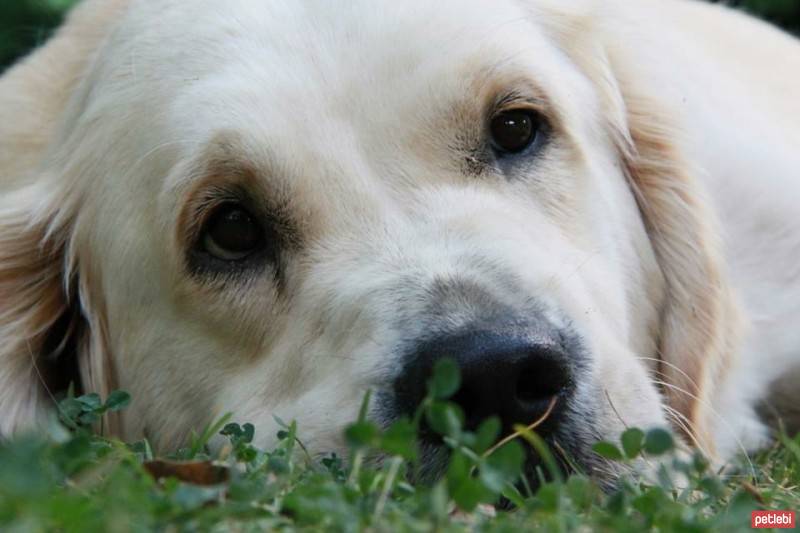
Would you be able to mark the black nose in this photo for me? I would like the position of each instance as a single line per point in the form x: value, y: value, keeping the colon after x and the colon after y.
x: 514, y: 378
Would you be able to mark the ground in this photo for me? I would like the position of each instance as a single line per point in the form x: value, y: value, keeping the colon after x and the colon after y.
x: 70, y: 479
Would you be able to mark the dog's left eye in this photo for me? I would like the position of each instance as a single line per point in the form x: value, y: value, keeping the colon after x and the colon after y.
x: 514, y: 131
x: 232, y: 233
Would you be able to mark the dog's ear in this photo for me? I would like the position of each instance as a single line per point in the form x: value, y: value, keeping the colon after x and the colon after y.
x: 35, y: 92
x: 700, y: 324
x: 34, y: 306
x: 51, y: 329
x: 700, y: 321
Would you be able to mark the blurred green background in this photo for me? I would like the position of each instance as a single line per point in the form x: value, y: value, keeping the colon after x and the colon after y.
x: 27, y: 23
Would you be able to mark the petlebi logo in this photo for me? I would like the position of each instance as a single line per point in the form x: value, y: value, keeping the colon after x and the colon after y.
x: 772, y: 520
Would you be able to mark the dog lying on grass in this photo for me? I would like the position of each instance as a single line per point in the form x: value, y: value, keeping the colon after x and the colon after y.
x: 270, y: 207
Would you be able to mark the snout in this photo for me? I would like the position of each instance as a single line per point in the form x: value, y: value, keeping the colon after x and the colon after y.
x: 516, y: 376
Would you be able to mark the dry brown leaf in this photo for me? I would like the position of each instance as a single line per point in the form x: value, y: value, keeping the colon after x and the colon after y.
x: 203, y: 473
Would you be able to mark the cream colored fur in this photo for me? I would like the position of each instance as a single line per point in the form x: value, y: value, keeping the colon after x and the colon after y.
x: 660, y: 224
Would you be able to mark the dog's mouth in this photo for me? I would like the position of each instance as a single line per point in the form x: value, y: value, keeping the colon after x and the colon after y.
x: 555, y: 446
x: 551, y: 458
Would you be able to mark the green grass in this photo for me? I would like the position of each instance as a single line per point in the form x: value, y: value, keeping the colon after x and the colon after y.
x: 25, y: 24
x: 72, y: 480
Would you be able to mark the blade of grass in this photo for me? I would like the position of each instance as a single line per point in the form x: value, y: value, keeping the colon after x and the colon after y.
x: 519, y: 430
x: 208, y: 432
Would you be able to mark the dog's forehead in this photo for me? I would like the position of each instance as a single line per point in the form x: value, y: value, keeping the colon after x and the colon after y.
x: 317, y: 31
x: 343, y: 86
x: 306, y: 54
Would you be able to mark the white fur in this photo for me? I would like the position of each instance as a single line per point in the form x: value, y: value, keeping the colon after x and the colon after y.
x: 354, y: 110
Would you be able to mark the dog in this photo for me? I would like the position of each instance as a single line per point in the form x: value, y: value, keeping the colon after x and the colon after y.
x: 271, y: 207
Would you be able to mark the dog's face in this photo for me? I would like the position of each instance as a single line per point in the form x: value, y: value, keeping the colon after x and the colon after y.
x: 283, y: 205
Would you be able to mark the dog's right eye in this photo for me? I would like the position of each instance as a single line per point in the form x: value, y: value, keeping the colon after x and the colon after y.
x: 232, y: 233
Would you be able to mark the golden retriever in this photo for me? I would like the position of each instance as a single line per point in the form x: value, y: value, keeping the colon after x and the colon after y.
x: 268, y: 207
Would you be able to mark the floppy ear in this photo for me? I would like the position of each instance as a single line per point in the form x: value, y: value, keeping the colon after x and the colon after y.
x: 51, y: 326
x: 37, y: 323
x: 700, y: 321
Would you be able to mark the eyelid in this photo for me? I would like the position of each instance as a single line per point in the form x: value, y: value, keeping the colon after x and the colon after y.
x: 203, y: 206
x: 517, y: 101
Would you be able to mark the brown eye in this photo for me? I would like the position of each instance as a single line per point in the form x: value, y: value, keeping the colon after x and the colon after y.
x: 514, y: 131
x: 232, y: 233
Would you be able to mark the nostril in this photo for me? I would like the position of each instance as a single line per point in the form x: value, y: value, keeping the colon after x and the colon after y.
x: 514, y: 378
x: 468, y: 400
x: 541, y: 380
x: 475, y: 403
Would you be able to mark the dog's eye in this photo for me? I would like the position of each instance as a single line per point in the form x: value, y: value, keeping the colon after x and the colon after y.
x: 232, y: 233
x: 514, y: 131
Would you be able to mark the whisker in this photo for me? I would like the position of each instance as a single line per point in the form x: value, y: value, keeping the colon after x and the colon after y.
x: 718, y: 417
x: 686, y: 425
x: 670, y: 365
